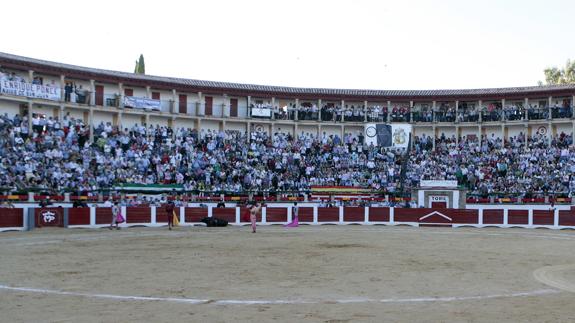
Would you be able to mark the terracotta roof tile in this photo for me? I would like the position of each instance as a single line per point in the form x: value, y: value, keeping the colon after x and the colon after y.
x: 9, y: 59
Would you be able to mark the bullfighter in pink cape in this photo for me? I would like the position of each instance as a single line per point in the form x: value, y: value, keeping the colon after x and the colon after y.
x: 295, y: 212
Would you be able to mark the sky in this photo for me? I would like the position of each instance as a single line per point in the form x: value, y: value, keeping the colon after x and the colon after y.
x: 359, y: 44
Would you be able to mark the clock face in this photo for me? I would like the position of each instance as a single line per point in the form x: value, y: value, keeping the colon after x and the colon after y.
x: 371, y: 131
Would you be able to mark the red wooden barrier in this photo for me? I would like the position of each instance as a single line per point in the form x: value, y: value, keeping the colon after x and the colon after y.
x: 567, y: 218
x: 409, y: 215
x: 518, y: 217
x: 328, y: 214
x: 195, y: 214
x: 139, y: 215
x: 353, y: 214
x: 464, y: 216
x: 227, y: 213
x: 274, y: 214
x: 11, y: 218
x: 305, y: 214
x: 542, y: 217
x: 162, y: 216
x: 379, y: 214
x: 103, y: 215
x: 492, y: 216
x: 79, y: 216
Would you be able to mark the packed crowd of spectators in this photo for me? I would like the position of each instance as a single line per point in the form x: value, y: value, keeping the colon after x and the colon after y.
x: 57, y: 156
x: 513, y: 166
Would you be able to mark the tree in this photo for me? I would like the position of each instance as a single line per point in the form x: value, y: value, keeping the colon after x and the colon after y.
x: 554, y: 75
x: 140, y: 65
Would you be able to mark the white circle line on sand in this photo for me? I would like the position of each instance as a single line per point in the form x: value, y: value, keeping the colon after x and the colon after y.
x: 551, y: 276
x: 278, y: 302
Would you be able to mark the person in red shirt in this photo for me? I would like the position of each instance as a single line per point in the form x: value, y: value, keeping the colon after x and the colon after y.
x: 170, y: 214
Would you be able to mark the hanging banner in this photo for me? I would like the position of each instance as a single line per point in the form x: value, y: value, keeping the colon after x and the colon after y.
x: 29, y: 90
x: 149, y: 187
x: 438, y: 183
x: 142, y: 103
x: 385, y: 135
x: 261, y: 112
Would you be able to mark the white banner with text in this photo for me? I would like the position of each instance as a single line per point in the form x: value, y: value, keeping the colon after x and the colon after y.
x: 29, y: 90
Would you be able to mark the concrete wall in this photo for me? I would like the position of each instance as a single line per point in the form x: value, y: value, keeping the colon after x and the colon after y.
x: 492, y: 132
x: 236, y: 126
x: 129, y: 120
x: 49, y: 111
x: 515, y: 131
x: 158, y: 121
x: 448, y: 131
x: 331, y: 130
x: 302, y: 129
x: 423, y: 131
x: 282, y: 128
x: 9, y: 107
x: 185, y: 123
x: 102, y: 117
x: 466, y: 131
x: 566, y: 128
x: 209, y: 124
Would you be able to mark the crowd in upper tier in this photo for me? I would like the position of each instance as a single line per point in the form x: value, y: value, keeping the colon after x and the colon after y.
x: 56, y: 156
x: 443, y: 112
x: 540, y: 164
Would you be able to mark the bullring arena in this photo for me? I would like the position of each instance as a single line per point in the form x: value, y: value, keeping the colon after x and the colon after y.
x: 310, y: 273
x: 351, y: 270
x: 382, y: 246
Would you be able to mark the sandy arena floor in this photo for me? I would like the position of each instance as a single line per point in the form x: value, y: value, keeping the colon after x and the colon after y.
x: 306, y: 274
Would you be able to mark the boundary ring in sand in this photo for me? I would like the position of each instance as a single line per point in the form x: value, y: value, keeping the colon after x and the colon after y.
x: 277, y: 302
x: 552, y: 276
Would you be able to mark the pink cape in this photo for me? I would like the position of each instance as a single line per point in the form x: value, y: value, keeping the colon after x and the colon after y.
x: 292, y: 224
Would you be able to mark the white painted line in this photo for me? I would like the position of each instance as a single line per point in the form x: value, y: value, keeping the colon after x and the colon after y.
x: 106, y: 296
x: 279, y: 302
x: 554, y: 276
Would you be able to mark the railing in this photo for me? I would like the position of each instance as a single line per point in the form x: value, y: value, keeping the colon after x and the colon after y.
x: 400, y: 117
x: 306, y: 115
x: 353, y: 118
x: 80, y: 97
x: 514, y: 114
x: 538, y: 114
x: 468, y: 117
x: 327, y: 115
x: 381, y: 117
x: 490, y: 116
x: 111, y: 100
x: 298, y: 195
x: 562, y: 113
x: 441, y: 116
x: 425, y: 116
